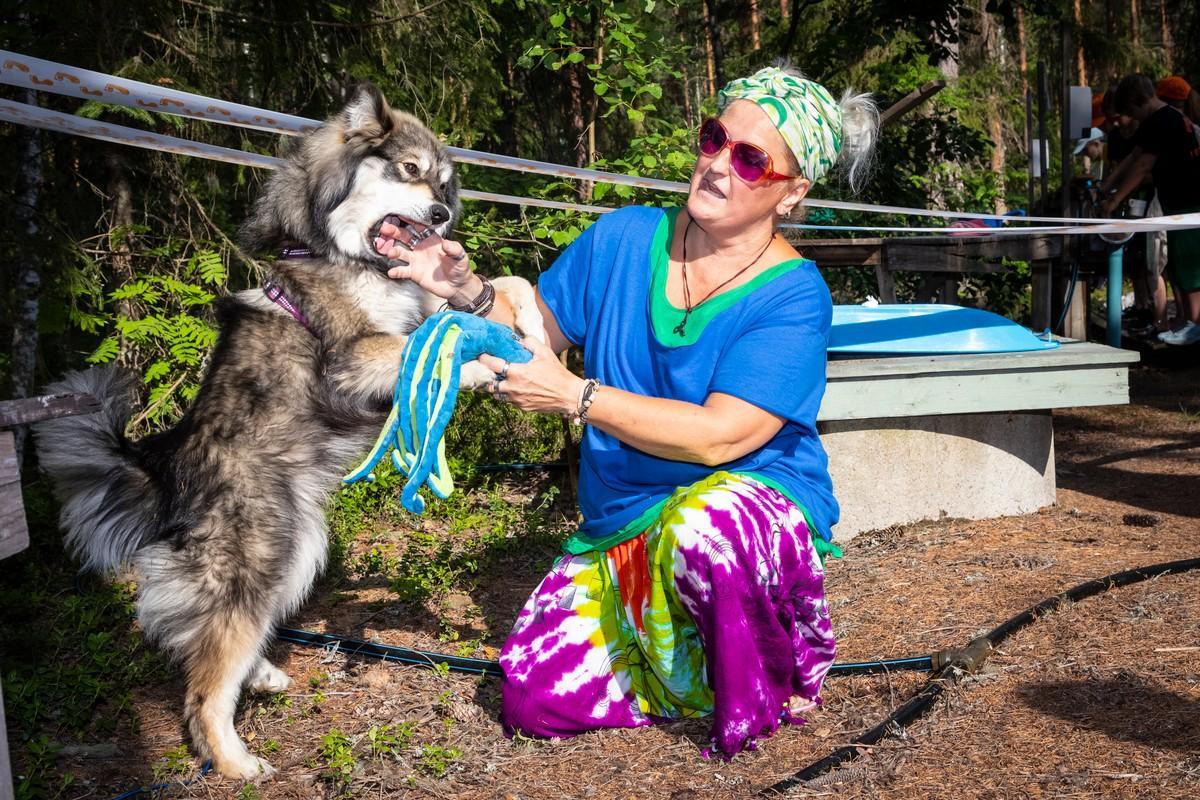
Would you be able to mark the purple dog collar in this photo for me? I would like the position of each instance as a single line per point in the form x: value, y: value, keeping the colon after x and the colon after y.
x: 276, y: 295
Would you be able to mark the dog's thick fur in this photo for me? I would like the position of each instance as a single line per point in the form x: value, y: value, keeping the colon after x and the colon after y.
x: 222, y: 515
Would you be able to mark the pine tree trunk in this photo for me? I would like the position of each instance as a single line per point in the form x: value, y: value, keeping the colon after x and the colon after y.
x: 952, y: 180
x: 1135, y: 23
x: 686, y: 76
x: 1022, y: 50
x: 28, y: 281
x: 120, y: 198
x: 709, y: 60
x: 992, y: 38
x: 1081, y: 64
x: 714, y: 37
x: 784, y: 11
x: 1166, y: 34
x: 755, y: 35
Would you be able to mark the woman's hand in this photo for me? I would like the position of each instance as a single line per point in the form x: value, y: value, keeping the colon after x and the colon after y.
x: 439, y: 266
x: 542, y: 385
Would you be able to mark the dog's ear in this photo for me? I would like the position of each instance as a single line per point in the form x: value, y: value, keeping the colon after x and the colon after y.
x: 367, y: 117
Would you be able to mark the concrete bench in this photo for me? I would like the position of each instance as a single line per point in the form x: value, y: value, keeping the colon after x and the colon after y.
x: 924, y: 437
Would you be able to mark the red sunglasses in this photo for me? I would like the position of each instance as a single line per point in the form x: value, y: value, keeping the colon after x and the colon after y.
x: 749, y: 161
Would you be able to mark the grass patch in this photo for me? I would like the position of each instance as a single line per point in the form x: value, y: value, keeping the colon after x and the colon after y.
x: 337, y: 757
x: 72, y: 654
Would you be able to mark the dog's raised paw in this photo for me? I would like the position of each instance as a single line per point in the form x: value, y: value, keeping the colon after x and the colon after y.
x: 269, y: 679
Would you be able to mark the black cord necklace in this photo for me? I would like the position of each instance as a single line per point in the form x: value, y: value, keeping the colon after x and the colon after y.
x: 680, y: 329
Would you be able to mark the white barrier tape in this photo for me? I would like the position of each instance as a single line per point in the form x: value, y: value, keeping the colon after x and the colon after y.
x: 1177, y: 222
x: 35, y: 116
x: 49, y: 76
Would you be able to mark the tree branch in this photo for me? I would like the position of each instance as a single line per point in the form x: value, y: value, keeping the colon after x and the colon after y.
x: 318, y: 23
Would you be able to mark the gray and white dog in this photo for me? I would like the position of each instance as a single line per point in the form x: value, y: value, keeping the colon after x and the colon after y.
x: 222, y: 516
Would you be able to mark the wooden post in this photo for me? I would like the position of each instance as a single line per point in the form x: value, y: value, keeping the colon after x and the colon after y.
x: 6, y: 782
x: 887, y: 283
x: 1075, y: 326
x: 1040, y: 310
x: 1029, y: 149
x: 14, y: 536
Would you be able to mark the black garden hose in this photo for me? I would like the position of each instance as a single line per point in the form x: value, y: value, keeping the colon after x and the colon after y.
x: 479, y: 666
x: 969, y: 660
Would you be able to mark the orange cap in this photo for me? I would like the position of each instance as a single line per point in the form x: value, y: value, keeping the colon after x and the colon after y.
x: 1097, y: 110
x: 1173, y: 88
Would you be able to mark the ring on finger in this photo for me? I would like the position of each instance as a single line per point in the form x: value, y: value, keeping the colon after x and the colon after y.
x: 496, y: 385
x: 502, y: 375
x: 502, y: 397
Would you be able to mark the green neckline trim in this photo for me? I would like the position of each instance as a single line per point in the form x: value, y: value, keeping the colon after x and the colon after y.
x: 665, y: 316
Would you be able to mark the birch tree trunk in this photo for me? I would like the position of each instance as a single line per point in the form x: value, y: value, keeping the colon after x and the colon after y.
x: 28, y: 282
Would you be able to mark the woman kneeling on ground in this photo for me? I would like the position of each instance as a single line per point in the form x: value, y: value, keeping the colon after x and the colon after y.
x: 694, y: 586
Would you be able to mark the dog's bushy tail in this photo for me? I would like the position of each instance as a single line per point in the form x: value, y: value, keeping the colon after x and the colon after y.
x: 109, y: 503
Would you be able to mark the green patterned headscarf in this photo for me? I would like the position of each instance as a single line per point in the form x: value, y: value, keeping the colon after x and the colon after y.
x: 804, y: 112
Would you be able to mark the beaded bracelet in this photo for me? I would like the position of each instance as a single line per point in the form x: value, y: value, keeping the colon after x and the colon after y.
x: 481, y: 306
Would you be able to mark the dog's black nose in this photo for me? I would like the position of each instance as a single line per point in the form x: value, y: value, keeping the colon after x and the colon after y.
x: 439, y: 214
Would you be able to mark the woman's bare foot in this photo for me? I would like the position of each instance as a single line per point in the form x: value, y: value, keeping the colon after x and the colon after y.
x: 797, y: 705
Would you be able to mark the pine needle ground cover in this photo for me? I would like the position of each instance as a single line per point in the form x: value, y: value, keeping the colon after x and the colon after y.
x: 1101, y: 699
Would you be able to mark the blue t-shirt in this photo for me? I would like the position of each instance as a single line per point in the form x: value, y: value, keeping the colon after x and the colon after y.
x: 763, y: 342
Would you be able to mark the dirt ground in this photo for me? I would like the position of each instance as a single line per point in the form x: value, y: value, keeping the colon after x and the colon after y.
x: 1101, y: 699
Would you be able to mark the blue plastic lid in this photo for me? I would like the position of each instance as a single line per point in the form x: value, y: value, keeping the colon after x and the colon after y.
x: 928, y: 329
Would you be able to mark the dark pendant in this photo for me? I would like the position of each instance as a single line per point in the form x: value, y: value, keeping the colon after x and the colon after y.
x: 679, y: 330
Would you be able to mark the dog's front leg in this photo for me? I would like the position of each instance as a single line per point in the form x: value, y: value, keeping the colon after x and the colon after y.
x: 366, y: 368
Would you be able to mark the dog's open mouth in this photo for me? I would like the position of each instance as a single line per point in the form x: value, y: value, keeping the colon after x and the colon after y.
x: 408, y: 234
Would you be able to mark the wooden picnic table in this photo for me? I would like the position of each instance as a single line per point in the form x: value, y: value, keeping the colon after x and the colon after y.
x: 943, y: 257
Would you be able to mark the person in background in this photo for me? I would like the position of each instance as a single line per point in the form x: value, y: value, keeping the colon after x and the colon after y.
x: 1119, y: 144
x: 1179, y: 95
x: 1092, y: 150
x: 1165, y: 148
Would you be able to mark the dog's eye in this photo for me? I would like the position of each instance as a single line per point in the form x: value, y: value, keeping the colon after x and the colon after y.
x: 412, y: 169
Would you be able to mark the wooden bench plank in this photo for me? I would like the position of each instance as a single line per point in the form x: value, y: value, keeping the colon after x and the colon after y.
x: 972, y: 393
x: 841, y: 252
x: 14, y: 535
x: 1075, y: 374
x: 51, y: 406
x: 1068, y: 355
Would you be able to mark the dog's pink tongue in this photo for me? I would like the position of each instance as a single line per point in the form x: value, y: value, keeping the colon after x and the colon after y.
x: 384, y: 245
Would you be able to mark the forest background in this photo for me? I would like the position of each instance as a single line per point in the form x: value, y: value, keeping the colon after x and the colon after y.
x: 117, y: 254
x: 113, y: 253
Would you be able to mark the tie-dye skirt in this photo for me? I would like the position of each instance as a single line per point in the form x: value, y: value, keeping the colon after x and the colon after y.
x: 718, y: 609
